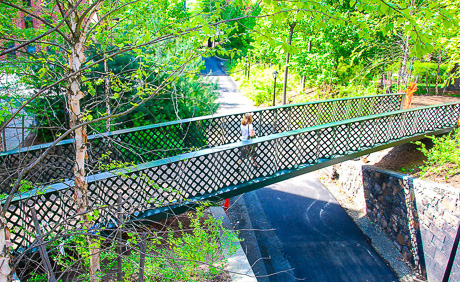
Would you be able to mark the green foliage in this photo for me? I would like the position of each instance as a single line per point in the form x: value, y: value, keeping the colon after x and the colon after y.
x: 197, y: 253
x: 74, y: 251
x: 259, y: 87
x: 186, y: 255
x: 353, y: 90
x: 188, y: 96
x: 444, y: 157
x: 428, y: 71
x: 35, y: 277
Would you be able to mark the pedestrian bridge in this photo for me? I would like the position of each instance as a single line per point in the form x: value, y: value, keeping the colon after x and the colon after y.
x: 168, y: 178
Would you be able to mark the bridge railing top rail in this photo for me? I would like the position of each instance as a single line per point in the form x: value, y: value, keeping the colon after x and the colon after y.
x: 45, y: 189
x: 182, y: 121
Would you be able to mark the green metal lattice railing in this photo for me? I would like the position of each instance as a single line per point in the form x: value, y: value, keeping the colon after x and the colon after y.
x: 159, y: 141
x: 167, y: 185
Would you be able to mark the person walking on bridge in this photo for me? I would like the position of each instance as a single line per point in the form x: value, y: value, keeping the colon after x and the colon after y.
x: 247, y: 132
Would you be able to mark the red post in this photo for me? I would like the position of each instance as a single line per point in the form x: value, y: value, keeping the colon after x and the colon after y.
x: 226, y: 204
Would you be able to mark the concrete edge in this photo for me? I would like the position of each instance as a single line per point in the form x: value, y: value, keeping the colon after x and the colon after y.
x: 238, y: 265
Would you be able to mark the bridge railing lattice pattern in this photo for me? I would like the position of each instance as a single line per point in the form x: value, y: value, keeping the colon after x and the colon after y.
x: 214, y: 173
x: 153, y: 142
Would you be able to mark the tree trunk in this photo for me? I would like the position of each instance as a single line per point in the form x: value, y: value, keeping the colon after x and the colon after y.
x: 403, y: 68
x: 384, y: 84
x: 76, y: 59
x: 437, y: 73
x: 286, y: 69
x: 426, y: 81
x: 5, y: 243
x: 5, y: 270
x: 409, y: 74
x: 382, y: 81
x: 107, y: 94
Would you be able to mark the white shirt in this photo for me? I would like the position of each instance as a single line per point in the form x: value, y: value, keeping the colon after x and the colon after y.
x: 245, y: 131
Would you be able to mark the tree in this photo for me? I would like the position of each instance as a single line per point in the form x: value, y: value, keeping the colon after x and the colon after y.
x: 66, y: 31
x: 70, y: 48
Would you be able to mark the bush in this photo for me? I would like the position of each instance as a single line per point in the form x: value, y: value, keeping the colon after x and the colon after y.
x: 423, y: 70
x: 444, y: 157
x: 196, y: 255
x: 427, y: 71
x: 195, y: 251
x: 259, y: 87
x: 353, y: 90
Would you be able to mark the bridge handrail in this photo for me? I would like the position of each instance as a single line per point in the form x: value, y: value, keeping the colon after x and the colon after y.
x: 103, y: 175
x: 181, y: 121
x: 285, y: 154
x: 158, y: 141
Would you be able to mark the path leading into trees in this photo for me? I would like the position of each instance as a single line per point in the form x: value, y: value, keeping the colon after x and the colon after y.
x: 230, y: 99
x: 311, y: 237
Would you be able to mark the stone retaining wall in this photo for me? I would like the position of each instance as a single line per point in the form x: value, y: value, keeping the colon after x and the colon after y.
x: 388, y: 204
x: 420, y: 217
x: 438, y: 208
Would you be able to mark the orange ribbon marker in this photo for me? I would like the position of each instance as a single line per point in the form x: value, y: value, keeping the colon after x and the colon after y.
x: 409, y: 94
x: 458, y: 124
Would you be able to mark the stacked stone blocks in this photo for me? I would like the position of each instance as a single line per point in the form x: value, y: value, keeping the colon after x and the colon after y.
x: 421, y: 217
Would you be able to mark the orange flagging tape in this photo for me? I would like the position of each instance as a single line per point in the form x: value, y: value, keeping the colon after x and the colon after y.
x: 409, y: 94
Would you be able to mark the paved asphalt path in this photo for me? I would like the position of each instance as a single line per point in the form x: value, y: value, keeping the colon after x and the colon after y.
x: 295, y: 229
x: 313, y: 236
x: 230, y: 99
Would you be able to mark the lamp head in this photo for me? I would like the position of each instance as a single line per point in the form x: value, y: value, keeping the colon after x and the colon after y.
x: 275, y: 74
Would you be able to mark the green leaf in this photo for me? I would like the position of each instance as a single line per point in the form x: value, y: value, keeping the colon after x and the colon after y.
x: 384, y: 8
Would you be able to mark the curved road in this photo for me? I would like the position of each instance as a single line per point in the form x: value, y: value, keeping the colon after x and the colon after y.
x: 295, y: 229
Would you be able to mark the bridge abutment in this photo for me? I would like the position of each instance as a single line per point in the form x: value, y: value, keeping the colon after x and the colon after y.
x: 419, y: 218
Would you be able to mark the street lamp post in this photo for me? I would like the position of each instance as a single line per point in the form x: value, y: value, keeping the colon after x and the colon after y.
x: 275, y: 75
x: 249, y: 68
x: 246, y: 72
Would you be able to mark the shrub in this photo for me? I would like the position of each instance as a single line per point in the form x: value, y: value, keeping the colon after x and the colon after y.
x: 191, y: 252
x: 259, y: 87
x: 444, y: 156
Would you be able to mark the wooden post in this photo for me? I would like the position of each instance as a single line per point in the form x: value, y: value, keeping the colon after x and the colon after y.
x: 143, y: 249
x: 42, y: 249
x: 23, y: 131
x: 119, y: 246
